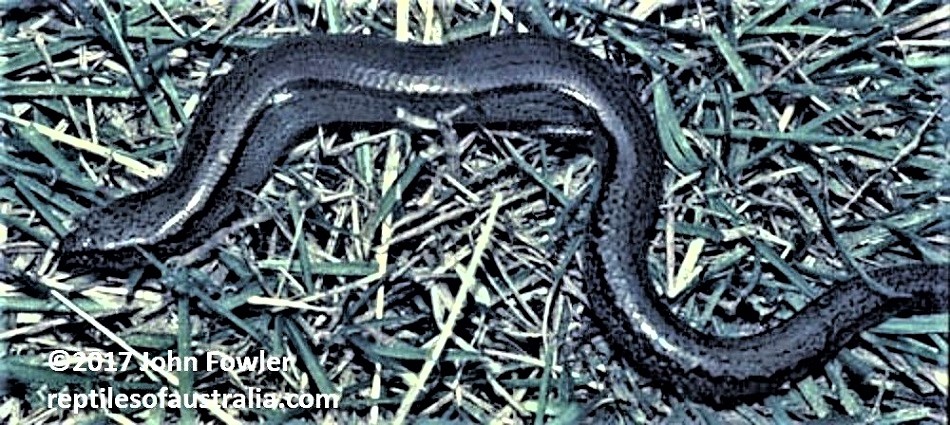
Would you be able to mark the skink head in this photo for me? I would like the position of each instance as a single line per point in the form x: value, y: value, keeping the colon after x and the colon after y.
x: 100, y: 240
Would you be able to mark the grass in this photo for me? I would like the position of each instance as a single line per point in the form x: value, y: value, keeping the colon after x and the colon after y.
x: 802, y: 139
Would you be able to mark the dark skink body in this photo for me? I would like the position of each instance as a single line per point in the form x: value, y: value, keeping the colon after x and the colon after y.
x: 242, y: 130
